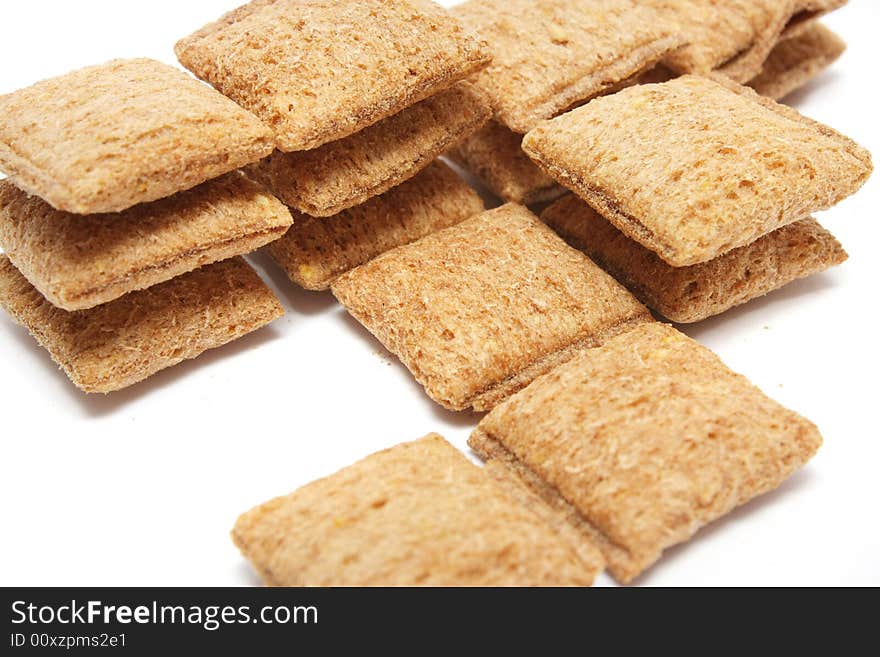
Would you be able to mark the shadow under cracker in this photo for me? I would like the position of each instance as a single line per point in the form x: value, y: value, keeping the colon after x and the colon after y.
x: 98, y: 405
x: 295, y: 298
x: 800, y: 479
x: 459, y: 419
x: 815, y: 86
x: 789, y: 294
x: 247, y: 575
x: 490, y: 201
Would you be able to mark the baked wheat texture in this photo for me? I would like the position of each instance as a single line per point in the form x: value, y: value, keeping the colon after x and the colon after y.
x: 550, y: 55
x: 639, y: 443
x: 118, y: 344
x: 797, y: 60
x: 418, y: 514
x: 689, y: 294
x: 319, y: 70
x: 317, y: 250
x: 339, y: 175
x: 79, y: 262
x: 105, y: 138
x: 494, y: 154
x: 478, y: 310
x: 695, y: 167
x: 734, y: 37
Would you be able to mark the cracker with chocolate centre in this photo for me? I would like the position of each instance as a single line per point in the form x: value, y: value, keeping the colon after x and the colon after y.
x: 317, y: 250
x: 695, y: 167
x: 643, y: 441
x: 548, y: 56
x: 105, y: 138
x: 734, y: 37
x: 478, y: 310
x: 79, y: 262
x: 690, y: 294
x: 318, y: 71
x: 796, y: 61
x: 494, y: 155
x: 418, y: 514
x: 120, y: 343
x: 339, y: 175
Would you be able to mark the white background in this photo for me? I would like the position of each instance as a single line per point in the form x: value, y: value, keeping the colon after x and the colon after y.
x: 142, y: 487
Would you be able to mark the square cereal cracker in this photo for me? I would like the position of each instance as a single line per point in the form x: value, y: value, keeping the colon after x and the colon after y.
x: 734, y: 37
x: 494, y: 155
x: 643, y: 441
x: 418, y: 514
x: 695, y: 167
x: 120, y: 343
x: 690, y: 294
x: 796, y: 61
x: 339, y: 175
x: 476, y: 311
x: 317, y: 70
x: 107, y: 137
x: 79, y: 262
x: 550, y: 55
x: 319, y: 249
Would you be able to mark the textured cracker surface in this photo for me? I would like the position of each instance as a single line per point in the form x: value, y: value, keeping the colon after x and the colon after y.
x: 418, y: 514
x: 646, y: 440
x: 494, y: 154
x: 117, y: 344
x: 107, y: 137
x: 476, y: 311
x: 339, y: 175
x: 532, y: 497
x: 319, y: 70
x: 549, y: 55
x: 796, y: 61
x: 317, y: 250
x: 79, y: 262
x: 689, y: 294
x: 735, y: 36
x: 695, y: 167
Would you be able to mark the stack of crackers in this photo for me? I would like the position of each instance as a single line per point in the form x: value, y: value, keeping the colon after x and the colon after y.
x: 696, y: 193
x: 362, y: 98
x: 610, y: 436
x: 553, y: 55
x: 122, y: 217
x: 550, y: 57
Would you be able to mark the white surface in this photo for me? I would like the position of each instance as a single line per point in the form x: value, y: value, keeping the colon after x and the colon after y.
x: 142, y: 487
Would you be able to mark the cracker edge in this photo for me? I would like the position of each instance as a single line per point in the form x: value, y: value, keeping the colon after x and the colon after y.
x: 405, y: 171
x: 475, y: 58
x: 106, y: 387
x: 605, y: 204
x: 647, y: 296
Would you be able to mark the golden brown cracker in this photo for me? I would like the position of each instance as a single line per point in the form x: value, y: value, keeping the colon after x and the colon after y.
x: 550, y: 55
x: 478, y: 310
x: 735, y: 37
x: 320, y: 70
x: 643, y: 441
x: 695, y: 167
x: 317, y: 250
x: 494, y: 155
x: 690, y: 294
x: 418, y: 514
x: 105, y: 138
x: 79, y: 262
x: 344, y: 173
x: 120, y: 343
x: 796, y: 61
